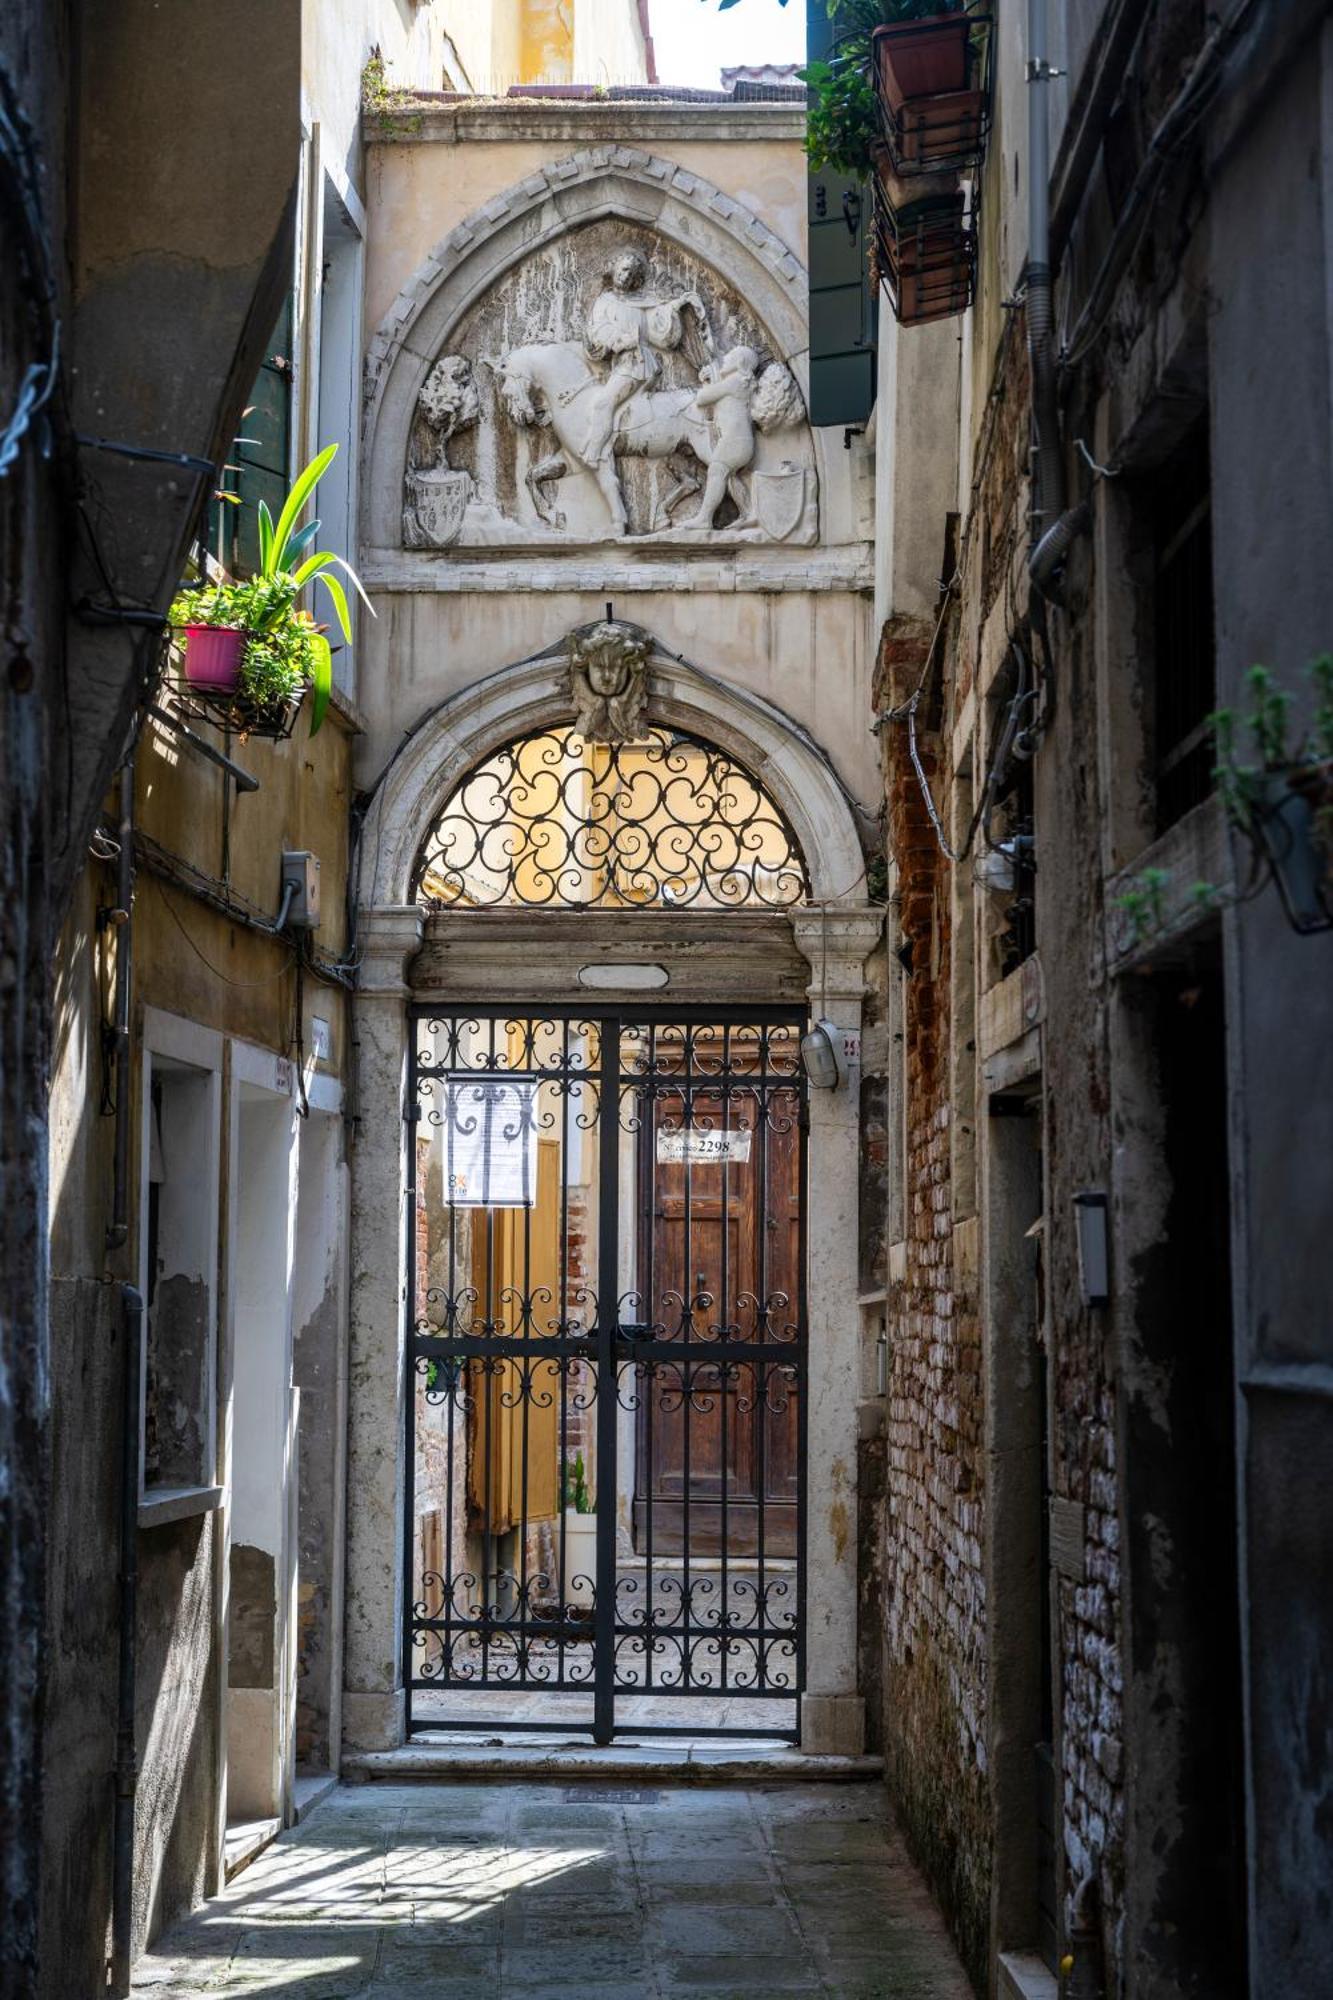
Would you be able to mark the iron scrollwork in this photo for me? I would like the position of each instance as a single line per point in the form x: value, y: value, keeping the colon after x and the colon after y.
x: 553, y: 821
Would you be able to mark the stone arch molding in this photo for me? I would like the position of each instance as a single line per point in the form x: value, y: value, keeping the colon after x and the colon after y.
x: 518, y: 700
x: 773, y: 496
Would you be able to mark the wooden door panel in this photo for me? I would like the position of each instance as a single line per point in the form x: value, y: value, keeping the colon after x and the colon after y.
x: 692, y: 1293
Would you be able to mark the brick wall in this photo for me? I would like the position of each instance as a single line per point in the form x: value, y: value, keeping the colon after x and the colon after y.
x: 934, y: 1608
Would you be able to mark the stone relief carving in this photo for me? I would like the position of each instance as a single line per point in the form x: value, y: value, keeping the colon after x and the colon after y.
x: 608, y: 682
x: 612, y: 386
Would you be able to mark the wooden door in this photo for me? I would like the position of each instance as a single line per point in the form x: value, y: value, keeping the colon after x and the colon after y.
x: 719, y: 1262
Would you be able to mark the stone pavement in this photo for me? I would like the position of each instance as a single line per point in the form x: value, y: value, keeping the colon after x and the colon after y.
x: 616, y: 1892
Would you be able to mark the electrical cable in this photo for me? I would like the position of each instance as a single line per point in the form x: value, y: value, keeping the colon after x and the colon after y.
x: 1193, y: 99
x: 241, y: 985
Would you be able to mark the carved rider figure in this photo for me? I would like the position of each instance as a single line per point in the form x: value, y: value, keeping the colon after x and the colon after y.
x: 632, y: 330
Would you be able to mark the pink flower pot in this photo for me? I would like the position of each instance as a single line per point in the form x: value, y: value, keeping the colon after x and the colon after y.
x: 213, y: 656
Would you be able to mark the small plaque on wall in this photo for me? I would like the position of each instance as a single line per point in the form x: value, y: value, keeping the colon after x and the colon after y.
x: 1068, y: 1549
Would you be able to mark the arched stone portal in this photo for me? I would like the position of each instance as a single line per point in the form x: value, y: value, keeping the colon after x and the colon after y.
x: 815, y: 949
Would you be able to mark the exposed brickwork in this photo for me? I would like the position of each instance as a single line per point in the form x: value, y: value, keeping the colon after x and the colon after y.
x: 934, y: 1668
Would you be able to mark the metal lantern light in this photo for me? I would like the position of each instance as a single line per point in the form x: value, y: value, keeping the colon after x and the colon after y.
x: 819, y: 1056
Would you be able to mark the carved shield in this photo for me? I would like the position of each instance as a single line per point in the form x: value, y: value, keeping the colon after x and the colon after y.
x: 779, y: 500
x: 436, y: 503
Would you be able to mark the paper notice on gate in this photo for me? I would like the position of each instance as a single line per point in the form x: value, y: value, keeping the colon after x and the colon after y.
x: 705, y: 1148
x: 490, y: 1143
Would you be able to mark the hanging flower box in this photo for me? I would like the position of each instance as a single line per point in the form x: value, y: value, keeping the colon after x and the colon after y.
x: 926, y: 252
x: 902, y: 186
x: 931, y: 89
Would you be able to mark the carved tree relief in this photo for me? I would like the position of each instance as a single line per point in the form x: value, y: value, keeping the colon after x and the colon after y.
x: 612, y: 385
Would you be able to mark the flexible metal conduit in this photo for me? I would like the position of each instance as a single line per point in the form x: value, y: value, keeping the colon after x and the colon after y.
x: 127, y: 1761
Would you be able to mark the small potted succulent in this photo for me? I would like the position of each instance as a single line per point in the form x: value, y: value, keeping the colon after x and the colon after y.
x: 251, y: 648
x: 1283, y: 803
x: 579, y: 1510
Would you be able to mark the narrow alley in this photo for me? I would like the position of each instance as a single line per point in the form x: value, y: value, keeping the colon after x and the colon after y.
x: 666, y: 999
x: 548, y: 1892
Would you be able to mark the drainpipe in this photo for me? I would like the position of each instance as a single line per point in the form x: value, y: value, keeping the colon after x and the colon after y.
x: 118, y: 1228
x: 1048, y: 472
x: 127, y: 1763
x: 1053, y: 527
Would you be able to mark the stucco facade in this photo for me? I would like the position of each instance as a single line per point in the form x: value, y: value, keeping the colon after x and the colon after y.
x: 760, y: 640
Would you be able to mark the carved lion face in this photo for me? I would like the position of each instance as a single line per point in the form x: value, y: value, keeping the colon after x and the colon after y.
x: 449, y: 398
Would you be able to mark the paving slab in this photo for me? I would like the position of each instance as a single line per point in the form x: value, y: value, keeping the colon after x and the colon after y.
x: 529, y: 1891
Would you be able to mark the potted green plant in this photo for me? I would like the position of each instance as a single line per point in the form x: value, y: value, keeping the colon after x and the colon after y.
x: 579, y: 1511
x: 251, y: 648
x: 1282, y: 804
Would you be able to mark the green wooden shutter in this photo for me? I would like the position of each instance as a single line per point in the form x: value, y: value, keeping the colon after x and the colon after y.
x: 842, y: 306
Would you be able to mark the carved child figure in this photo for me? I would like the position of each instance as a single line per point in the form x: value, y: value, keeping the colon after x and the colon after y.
x: 726, y: 388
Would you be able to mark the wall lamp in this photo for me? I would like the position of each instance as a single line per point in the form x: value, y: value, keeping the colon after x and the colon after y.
x: 828, y: 1053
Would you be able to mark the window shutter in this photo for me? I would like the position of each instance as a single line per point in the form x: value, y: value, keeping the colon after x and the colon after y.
x: 842, y: 307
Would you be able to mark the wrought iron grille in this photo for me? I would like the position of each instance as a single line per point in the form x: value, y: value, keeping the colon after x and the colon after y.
x: 552, y: 820
x: 607, y: 1370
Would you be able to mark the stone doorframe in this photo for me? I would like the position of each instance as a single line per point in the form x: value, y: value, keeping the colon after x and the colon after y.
x: 833, y: 934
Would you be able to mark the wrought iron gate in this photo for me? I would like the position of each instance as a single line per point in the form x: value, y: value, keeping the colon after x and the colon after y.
x: 605, y: 1506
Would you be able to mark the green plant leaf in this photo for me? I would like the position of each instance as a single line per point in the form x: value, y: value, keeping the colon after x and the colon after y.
x: 321, y: 679
x: 265, y: 535
x: 304, y: 486
x: 339, y: 596
x: 302, y: 538
x: 313, y: 565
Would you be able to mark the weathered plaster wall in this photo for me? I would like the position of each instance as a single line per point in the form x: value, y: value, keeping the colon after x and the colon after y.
x: 1270, y: 350
x: 806, y: 652
x: 190, y: 961
x: 421, y: 189
x: 35, y: 57
x: 1145, y: 1689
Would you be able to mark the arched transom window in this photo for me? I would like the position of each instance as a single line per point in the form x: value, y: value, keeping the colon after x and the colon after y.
x: 552, y: 820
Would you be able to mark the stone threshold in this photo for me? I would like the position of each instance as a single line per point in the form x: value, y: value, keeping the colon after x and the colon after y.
x: 245, y: 1841
x: 688, y: 1763
x: 1023, y: 1976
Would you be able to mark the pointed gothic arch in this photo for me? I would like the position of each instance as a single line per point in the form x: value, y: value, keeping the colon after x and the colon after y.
x: 615, y: 182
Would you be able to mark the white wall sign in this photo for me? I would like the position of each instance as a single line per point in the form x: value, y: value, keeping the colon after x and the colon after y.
x: 490, y: 1143
x: 705, y: 1148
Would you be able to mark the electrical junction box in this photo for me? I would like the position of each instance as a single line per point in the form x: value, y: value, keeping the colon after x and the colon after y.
x: 300, y: 879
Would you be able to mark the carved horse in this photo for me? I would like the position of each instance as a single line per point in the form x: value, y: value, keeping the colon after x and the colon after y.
x: 553, y: 384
